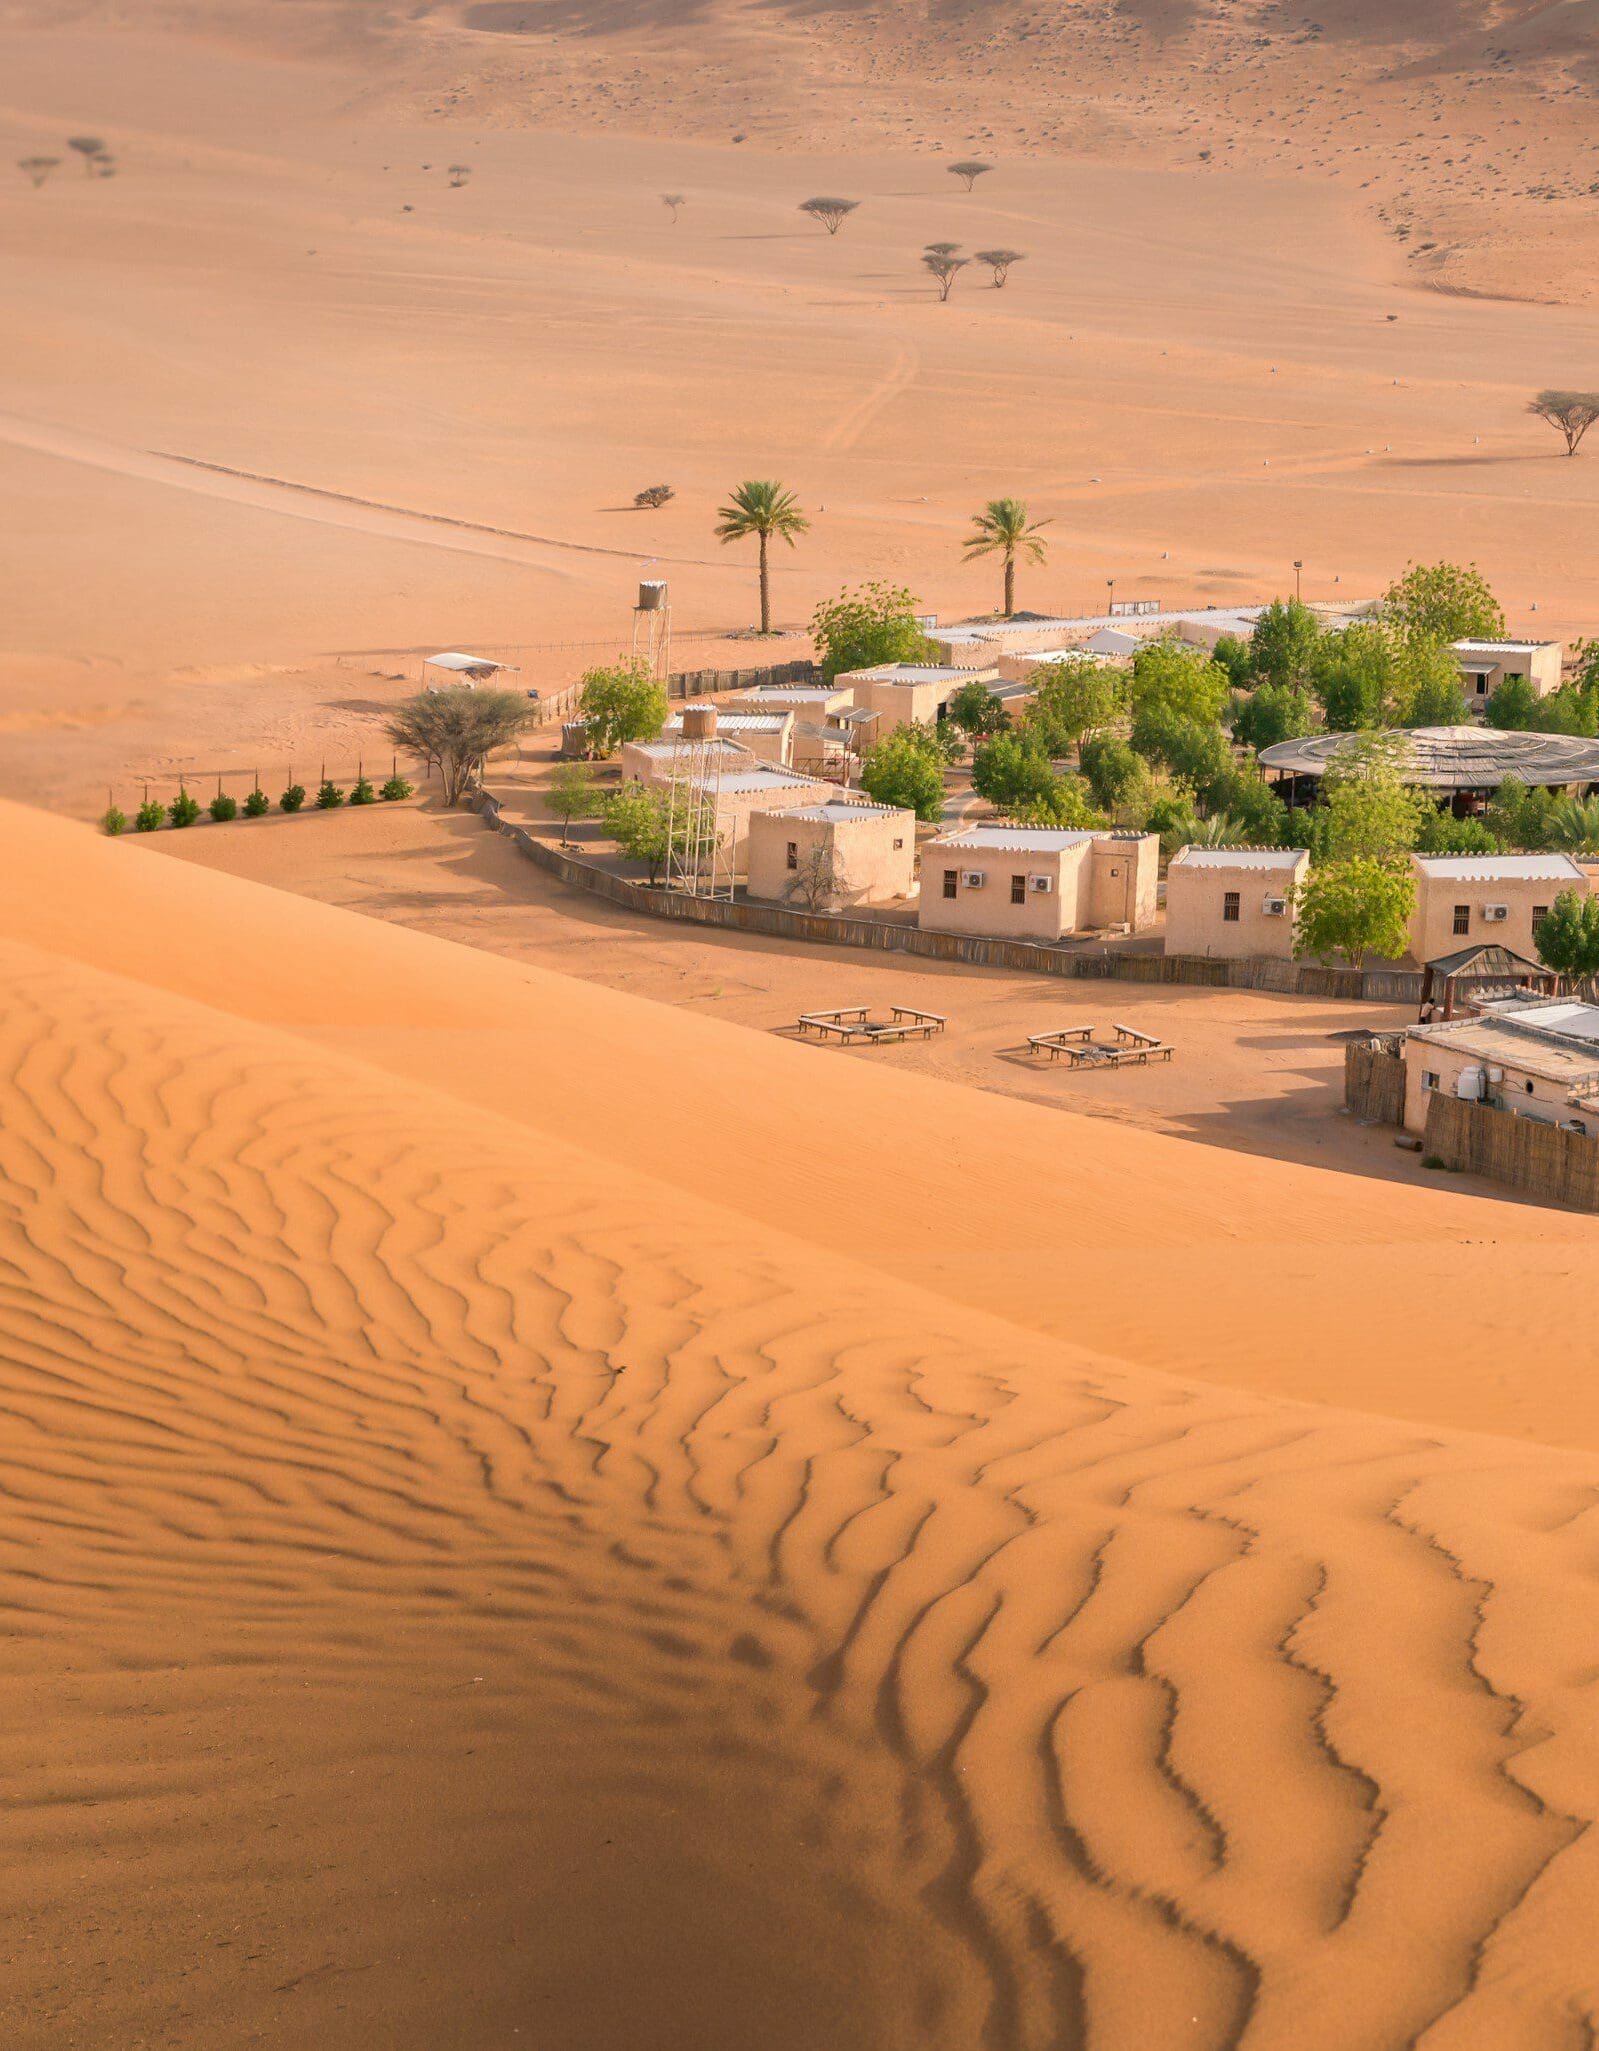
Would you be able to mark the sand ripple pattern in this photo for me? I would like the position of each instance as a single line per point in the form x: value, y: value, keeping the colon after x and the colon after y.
x: 1210, y: 1723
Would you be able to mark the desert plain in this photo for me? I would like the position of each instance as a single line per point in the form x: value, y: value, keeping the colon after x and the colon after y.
x: 535, y: 1509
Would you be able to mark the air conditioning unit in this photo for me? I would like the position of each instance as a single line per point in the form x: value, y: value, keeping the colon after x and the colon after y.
x: 973, y: 879
x: 1043, y: 884
x: 1495, y: 912
x: 1275, y: 907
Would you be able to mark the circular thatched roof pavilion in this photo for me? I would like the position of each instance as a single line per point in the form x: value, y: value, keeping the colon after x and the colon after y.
x: 1452, y: 760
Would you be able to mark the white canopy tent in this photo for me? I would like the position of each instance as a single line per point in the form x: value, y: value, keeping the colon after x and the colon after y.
x: 468, y: 669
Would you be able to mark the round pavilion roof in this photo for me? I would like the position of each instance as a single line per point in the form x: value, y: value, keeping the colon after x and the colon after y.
x: 1453, y: 757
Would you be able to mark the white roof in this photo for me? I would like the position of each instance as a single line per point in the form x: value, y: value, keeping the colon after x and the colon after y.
x: 663, y: 750
x: 1500, y: 868
x: 906, y: 673
x: 1040, y: 840
x: 1239, y: 619
x: 1241, y: 857
x: 743, y: 781
x: 453, y: 659
x: 1500, y: 647
x: 740, y: 722
x: 800, y: 694
x: 841, y: 812
x: 1571, y: 1020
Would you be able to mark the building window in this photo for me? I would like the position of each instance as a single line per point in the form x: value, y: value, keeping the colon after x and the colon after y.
x: 949, y: 882
x: 1429, y: 1078
x: 1229, y: 907
x: 898, y: 845
x: 1482, y: 687
x: 1462, y: 918
x: 1018, y: 890
x: 1540, y: 912
x: 793, y: 854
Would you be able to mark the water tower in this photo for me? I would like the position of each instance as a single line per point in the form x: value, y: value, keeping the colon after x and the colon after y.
x: 696, y: 861
x: 652, y: 627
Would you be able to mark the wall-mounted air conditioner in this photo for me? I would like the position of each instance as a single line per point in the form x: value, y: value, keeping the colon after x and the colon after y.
x: 1042, y: 884
x: 974, y: 879
x: 1496, y: 911
x: 1275, y: 907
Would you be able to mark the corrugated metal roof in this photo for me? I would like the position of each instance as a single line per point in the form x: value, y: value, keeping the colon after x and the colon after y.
x: 1040, y: 840
x: 1240, y: 857
x: 1499, y: 868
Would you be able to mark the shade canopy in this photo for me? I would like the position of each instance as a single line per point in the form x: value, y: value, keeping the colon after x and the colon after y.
x: 1450, y: 758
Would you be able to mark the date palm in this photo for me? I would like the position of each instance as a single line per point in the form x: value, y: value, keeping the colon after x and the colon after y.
x: 1002, y: 528
x: 766, y: 509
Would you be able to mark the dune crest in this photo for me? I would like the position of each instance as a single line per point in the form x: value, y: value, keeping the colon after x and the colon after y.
x: 487, y: 1498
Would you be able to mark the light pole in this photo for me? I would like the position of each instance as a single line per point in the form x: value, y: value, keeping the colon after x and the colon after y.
x: 1110, y: 594
x: 1298, y: 567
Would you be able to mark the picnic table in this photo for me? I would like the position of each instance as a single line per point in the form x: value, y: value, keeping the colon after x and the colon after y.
x: 855, y: 1023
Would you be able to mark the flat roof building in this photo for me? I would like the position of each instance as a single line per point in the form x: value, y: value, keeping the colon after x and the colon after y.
x: 1538, y: 1058
x: 899, y: 693
x: 741, y: 793
x: 768, y: 735
x: 1461, y: 899
x: 1234, y: 903
x: 1036, y: 882
x: 829, y: 856
x: 1485, y: 665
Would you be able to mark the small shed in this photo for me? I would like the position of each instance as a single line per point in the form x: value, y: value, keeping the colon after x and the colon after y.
x: 1477, y: 975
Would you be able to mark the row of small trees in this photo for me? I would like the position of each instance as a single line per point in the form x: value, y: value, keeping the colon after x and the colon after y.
x: 186, y: 809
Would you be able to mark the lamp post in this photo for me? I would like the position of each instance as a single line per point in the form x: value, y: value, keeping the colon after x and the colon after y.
x: 1298, y: 567
x: 1110, y: 597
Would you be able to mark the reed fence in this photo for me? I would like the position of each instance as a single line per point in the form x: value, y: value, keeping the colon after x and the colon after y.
x: 1374, y: 1080
x: 1549, y: 1163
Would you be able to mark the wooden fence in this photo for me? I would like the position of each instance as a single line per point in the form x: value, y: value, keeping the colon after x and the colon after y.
x: 1374, y: 1080
x: 706, y: 683
x: 1552, y: 1165
x: 833, y: 929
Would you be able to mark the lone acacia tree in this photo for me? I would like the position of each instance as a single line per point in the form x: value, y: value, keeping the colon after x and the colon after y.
x: 1573, y: 413
x: 88, y: 147
x: 460, y: 173
x: 1002, y: 528
x: 940, y: 248
x: 37, y: 168
x: 946, y: 269
x: 458, y: 728
x: 674, y: 200
x: 832, y: 213
x: 999, y: 262
x: 652, y: 496
x: 766, y: 509
x: 971, y: 170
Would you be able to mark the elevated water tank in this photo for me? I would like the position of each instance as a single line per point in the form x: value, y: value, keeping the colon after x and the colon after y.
x: 651, y: 596
x: 699, y: 722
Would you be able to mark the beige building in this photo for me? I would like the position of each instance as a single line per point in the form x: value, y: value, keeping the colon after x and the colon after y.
x: 809, y: 701
x: 900, y: 692
x: 739, y: 794
x: 651, y: 761
x: 827, y: 856
x: 1467, y: 899
x: 767, y: 734
x: 1234, y: 902
x: 1027, y: 666
x: 1485, y: 665
x: 1538, y: 1058
x: 1036, y: 882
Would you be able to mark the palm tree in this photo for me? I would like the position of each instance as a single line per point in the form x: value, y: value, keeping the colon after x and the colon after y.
x: 762, y: 507
x: 1002, y: 528
x: 1574, y: 824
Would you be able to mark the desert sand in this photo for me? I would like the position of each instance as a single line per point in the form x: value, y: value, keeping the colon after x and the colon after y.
x: 499, y: 1562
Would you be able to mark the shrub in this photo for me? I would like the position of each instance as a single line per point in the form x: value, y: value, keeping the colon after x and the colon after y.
x: 329, y: 796
x: 293, y: 798
x: 113, y: 821
x: 223, y: 808
x: 149, y: 816
x: 396, y: 787
x: 257, y: 803
x: 1433, y: 1161
x: 363, y: 793
x: 183, y: 810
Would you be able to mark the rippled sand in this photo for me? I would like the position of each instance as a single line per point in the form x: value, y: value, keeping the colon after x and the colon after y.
x: 467, y: 1590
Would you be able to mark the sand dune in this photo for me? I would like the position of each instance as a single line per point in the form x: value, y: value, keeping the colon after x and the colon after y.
x: 472, y: 1585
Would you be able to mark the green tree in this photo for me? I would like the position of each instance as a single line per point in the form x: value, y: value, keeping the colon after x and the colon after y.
x: 976, y: 711
x: 769, y: 511
x: 647, y: 819
x: 902, y: 770
x: 1117, y: 775
x: 1195, y: 750
x: 1443, y: 834
x: 873, y: 624
x: 457, y: 729
x: 1574, y: 825
x: 573, y: 794
x: 1514, y: 707
x: 1354, y: 908
x: 1285, y: 643
x: 1567, y: 940
x: 1426, y: 686
x: 1367, y: 812
x: 1065, y: 803
x: 1573, y: 413
x: 619, y: 703
x: 1274, y: 712
x: 1173, y: 677
x: 1003, y: 528
x: 1354, y: 677
x: 1519, y: 816
x: 1572, y: 709
x: 1071, y: 698
x: 1237, y: 658
x: 1443, y: 602
x: 1257, y: 813
x: 1012, y: 769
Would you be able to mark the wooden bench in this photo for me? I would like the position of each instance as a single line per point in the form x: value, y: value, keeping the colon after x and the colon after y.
x: 854, y: 1023
x: 1082, y: 1050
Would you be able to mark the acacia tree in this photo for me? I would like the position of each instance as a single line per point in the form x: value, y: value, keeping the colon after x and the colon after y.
x: 458, y: 729
x: 946, y: 269
x: 88, y: 147
x: 768, y: 510
x: 1573, y: 413
x: 969, y: 170
x: 832, y: 213
x: 459, y: 174
x: 814, y: 881
x: 37, y: 168
x: 674, y: 200
x: 999, y: 262
x: 1002, y: 528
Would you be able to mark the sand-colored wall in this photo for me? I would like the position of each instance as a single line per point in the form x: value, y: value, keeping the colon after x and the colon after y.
x: 1540, y: 666
x: 734, y: 810
x: 873, y: 857
x: 1432, y: 928
x: 1124, y: 873
x: 1532, y: 1096
x: 1042, y: 915
x: 1195, y: 923
x: 640, y: 766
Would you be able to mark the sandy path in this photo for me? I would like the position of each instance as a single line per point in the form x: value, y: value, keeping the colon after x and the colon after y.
x: 398, y: 1498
